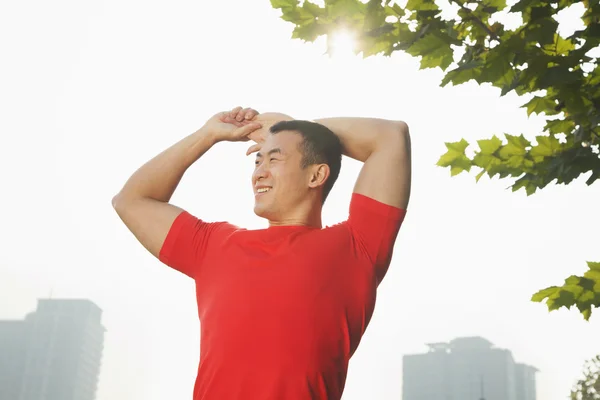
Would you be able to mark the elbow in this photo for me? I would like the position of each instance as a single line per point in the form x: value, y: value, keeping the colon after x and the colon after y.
x: 399, y: 136
x: 401, y: 129
x: 115, y: 201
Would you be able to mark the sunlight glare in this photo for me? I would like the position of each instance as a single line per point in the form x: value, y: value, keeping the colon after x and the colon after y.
x: 342, y: 44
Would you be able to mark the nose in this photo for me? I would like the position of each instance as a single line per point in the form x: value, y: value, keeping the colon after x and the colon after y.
x: 260, y: 172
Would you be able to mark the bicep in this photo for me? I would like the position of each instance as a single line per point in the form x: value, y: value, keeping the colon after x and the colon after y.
x: 386, y: 174
x: 149, y: 220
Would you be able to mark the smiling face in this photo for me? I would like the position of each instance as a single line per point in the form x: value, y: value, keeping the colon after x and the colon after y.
x: 282, y: 188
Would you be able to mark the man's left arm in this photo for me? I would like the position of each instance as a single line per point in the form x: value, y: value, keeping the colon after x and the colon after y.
x: 384, y: 147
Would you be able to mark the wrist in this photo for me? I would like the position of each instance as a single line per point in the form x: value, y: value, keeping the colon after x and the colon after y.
x: 207, y: 136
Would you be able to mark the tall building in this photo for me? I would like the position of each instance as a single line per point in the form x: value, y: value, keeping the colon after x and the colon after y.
x: 54, y: 354
x: 466, y: 369
x: 12, y: 358
x: 525, y: 381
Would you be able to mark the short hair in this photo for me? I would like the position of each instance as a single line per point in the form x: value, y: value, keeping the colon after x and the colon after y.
x: 319, y: 146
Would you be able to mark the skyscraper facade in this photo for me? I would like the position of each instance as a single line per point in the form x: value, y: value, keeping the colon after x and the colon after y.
x: 55, y: 353
x: 466, y: 369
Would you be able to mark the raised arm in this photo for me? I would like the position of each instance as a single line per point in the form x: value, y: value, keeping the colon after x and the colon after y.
x: 143, y: 203
x: 384, y: 147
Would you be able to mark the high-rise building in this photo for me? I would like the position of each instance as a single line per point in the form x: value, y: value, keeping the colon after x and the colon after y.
x: 466, y: 369
x: 54, y: 354
x: 525, y: 381
x: 12, y: 358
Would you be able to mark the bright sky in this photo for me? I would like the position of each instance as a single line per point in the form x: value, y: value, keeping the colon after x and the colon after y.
x: 91, y: 90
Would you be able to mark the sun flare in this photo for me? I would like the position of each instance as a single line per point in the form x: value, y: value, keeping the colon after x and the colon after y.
x: 342, y: 44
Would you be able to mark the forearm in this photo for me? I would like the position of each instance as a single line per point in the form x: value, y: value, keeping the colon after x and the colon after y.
x: 360, y: 137
x: 159, y: 177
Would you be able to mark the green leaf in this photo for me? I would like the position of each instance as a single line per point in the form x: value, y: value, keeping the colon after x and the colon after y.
x: 539, y: 105
x: 559, y: 126
x: 559, y: 47
x: 498, y: 69
x: 587, y: 313
x: 434, y: 49
x: 541, y: 31
x: 587, y: 296
x: 313, y: 9
x: 492, y: 6
x: 556, y: 76
x: 421, y: 5
x: 463, y: 73
x: 592, y: 274
x: 594, y: 265
x: 575, y: 289
x: 455, y: 158
x: 308, y: 32
x: 345, y: 9
x: 546, y: 147
x: 564, y: 299
x: 542, y: 294
x: 479, y: 175
x: 516, y: 146
x: 489, y: 146
x: 284, y: 3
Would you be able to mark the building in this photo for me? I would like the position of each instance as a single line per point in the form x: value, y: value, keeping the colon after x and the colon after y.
x: 55, y: 353
x: 12, y: 360
x: 525, y: 382
x: 466, y: 369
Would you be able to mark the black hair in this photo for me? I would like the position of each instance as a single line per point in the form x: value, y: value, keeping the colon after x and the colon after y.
x: 319, y: 146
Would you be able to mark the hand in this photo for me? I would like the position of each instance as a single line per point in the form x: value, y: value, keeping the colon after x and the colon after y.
x: 267, y: 120
x: 232, y: 126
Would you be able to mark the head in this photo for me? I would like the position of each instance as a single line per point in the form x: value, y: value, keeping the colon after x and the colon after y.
x: 297, y: 164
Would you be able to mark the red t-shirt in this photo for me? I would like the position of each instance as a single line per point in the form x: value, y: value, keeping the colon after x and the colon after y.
x: 282, y: 309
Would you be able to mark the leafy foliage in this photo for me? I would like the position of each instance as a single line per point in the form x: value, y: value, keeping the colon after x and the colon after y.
x: 559, y: 74
x: 581, y: 291
x: 588, y: 387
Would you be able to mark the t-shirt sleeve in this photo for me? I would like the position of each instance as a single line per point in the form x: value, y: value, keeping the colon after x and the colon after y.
x: 188, y: 241
x: 374, y: 227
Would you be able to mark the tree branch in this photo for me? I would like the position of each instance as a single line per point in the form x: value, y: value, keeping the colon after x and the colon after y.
x: 477, y: 20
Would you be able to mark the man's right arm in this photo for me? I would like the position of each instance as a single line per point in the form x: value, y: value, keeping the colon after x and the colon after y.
x: 143, y: 203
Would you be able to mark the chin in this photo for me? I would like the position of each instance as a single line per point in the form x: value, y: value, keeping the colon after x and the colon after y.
x: 265, y: 211
x: 261, y: 211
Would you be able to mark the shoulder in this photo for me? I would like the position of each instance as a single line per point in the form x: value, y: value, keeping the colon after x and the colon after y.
x: 363, y: 204
x: 187, y: 224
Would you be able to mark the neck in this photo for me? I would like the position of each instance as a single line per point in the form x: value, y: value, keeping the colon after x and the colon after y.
x: 308, y: 215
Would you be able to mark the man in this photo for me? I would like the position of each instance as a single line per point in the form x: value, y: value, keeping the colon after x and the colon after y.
x: 282, y: 309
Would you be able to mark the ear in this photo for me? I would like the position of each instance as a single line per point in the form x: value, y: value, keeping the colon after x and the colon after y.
x: 318, y: 175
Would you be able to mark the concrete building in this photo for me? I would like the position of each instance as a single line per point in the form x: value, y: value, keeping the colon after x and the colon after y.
x: 56, y: 352
x: 12, y: 358
x: 525, y: 382
x: 466, y: 369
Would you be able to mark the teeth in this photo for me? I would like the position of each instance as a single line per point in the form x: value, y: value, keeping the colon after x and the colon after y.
x: 262, y: 190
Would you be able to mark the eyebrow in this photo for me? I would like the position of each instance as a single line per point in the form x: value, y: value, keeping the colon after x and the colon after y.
x: 276, y: 150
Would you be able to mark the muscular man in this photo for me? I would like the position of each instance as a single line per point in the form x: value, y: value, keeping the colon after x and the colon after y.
x: 282, y: 309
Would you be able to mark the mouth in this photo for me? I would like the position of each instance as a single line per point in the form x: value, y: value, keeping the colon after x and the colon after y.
x: 262, y: 190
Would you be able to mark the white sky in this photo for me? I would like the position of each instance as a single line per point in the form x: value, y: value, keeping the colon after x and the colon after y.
x: 91, y: 90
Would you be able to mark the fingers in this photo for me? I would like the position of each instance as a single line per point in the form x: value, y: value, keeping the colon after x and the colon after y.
x: 233, y: 113
x: 253, y: 149
x: 240, y: 114
x: 244, y: 131
x: 250, y: 114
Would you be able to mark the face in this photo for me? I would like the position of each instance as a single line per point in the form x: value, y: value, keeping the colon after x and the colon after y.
x: 280, y: 183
